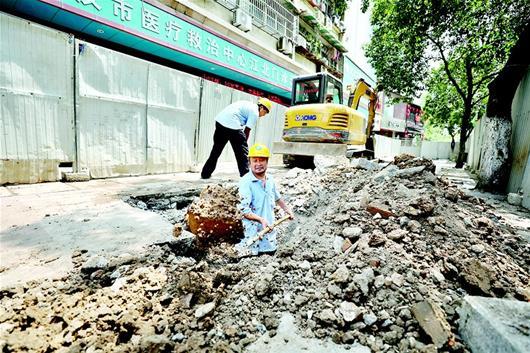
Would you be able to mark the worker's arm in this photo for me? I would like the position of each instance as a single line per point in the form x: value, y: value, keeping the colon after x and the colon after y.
x: 246, y: 198
x: 247, y: 132
x: 285, y: 208
x: 254, y: 217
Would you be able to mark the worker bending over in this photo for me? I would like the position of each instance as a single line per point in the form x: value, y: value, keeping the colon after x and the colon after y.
x: 259, y: 195
x: 233, y: 124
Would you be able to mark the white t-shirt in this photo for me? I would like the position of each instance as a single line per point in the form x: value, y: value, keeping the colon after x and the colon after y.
x: 238, y: 115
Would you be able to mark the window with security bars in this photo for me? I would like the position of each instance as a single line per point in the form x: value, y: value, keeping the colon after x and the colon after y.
x: 270, y: 15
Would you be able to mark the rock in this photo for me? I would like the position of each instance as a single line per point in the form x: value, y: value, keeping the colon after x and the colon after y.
x: 429, y: 177
x: 514, y: 199
x: 156, y: 344
x: 293, y: 173
x: 397, y: 234
x: 438, y: 276
x: 95, y: 262
x: 349, y: 311
x: 204, y: 310
x: 440, y: 230
x: 377, y: 238
x: 305, y: 265
x: 263, y: 286
x: 477, y: 276
x: 432, y: 320
x: 407, y: 172
x: 341, y: 275
x: 363, y: 163
x: 364, y: 279
x: 334, y: 290
x: 397, y: 279
x: 342, y: 217
x: 327, y: 316
x: 414, y: 226
x: 477, y: 248
x: 387, y: 172
x: 338, y: 241
x: 352, y: 232
x: 375, y: 207
x: 185, y: 300
x: 369, y: 318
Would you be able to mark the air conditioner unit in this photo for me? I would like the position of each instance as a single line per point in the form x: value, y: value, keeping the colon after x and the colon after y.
x: 300, y: 41
x: 285, y: 45
x: 242, y: 20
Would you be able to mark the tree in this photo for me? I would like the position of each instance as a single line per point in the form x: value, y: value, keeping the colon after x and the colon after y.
x: 470, y: 38
x: 496, y: 156
x: 443, y: 108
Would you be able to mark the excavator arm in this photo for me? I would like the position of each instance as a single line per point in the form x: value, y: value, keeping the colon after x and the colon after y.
x: 363, y: 89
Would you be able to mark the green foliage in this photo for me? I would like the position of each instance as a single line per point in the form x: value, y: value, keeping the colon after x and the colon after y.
x: 339, y: 7
x: 435, y: 133
x: 470, y: 40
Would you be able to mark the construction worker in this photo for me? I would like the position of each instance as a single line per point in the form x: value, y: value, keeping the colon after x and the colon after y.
x: 259, y: 195
x: 233, y: 124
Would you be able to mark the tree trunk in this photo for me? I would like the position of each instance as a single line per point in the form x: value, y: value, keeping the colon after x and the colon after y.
x: 495, y: 159
x: 466, y: 119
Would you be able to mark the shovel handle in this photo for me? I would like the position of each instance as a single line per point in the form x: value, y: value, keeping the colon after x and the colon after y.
x: 267, y: 229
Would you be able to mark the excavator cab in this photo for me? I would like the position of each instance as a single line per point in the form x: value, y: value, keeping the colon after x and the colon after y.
x: 319, y: 123
x: 318, y: 88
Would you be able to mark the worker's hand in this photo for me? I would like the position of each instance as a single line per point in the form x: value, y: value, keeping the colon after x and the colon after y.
x: 290, y: 214
x: 264, y: 223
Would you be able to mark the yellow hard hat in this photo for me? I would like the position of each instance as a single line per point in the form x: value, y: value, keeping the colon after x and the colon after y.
x: 259, y: 150
x: 266, y: 103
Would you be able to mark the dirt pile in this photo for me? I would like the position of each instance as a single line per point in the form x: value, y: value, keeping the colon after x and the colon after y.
x: 214, y: 216
x: 377, y: 255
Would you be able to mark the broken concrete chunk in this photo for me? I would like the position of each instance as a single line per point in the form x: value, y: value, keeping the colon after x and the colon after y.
x: 204, y: 310
x: 477, y: 276
x: 352, y: 232
x: 397, y: 234
x: 389, y: 171
x: 495, y: 325
x: 407, y: 172
x: 349, y: 311
x: 327, y: 316
x: 363, y: 163
x: 432, y: 320
x: 341, y: 275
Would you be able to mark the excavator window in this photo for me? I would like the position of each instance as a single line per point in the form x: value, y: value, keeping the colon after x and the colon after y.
x: 307, y: 92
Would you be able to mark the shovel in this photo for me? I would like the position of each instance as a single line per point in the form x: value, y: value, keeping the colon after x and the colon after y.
x: 246, y: 251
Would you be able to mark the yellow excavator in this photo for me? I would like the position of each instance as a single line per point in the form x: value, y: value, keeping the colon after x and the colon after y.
x: 319, y: 123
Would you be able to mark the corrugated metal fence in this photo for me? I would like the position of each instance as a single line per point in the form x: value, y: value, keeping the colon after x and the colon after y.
x: 123, y: 115
x: 36, y: 101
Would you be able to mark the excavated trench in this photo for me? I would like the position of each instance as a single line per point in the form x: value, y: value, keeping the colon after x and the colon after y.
x: 171, y: 205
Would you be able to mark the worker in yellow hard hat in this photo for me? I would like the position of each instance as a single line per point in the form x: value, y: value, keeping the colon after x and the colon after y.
x: 259, y: 195
x: 233, y: 124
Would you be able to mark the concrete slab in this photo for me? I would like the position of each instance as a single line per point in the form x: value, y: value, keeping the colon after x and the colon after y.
x: 495, y: 325
x: 287, y: 339
x: 43, y: 249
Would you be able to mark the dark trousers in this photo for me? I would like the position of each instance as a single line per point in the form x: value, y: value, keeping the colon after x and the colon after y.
x: 237, y: 139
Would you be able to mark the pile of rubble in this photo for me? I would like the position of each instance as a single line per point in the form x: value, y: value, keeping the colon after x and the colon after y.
x: 379, y: 255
